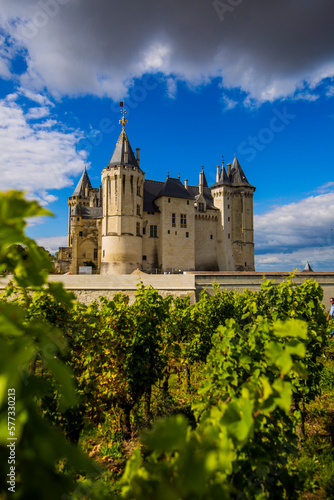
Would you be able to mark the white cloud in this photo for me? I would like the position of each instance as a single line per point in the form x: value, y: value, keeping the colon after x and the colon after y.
x: 42, y: 100
x: 290, y: 235
x: 171, y: 87
x: 300, y: 224
x: 228, y: 103
x: 77, y: 47
x: 33, y: 157
x: 52, y: 243
x: 319, y: 257
x: 37, y: 113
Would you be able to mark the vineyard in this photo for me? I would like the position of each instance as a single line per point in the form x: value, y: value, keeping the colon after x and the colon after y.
x: 229, y: 398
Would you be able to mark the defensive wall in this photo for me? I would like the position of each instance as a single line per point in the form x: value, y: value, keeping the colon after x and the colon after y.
x: 89, y: 287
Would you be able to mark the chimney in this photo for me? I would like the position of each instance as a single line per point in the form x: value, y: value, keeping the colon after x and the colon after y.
x: 138, y: 156
x: 201, y: 182
x: 228, y: 170
x: 186, y: 183
x: 217, y: 174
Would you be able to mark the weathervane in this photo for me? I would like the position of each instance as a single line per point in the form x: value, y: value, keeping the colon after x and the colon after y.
x: 123, y: 120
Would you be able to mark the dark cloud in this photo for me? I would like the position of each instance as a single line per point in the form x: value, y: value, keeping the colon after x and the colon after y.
x: 266, y: 48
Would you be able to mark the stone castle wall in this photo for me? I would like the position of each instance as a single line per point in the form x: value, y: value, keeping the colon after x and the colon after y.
x: 88, y: 288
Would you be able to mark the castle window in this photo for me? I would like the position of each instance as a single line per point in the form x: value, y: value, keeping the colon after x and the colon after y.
x: 175, y: 233
x: 187, y: 234
x: 95, y: 253
x: 228, y: 218
x: 168, y: 200
x: 168, y: 232
x: 228, y: 206
x: 173, y: 220
x: 153, y: 231
x: 138, y: 210
x: 201, y: 207
x: 104, y: 253
x: 187, y: 202
x: 78, y: 218
x: 211, y: 237
x: 138, y: 229
x: 144, y: 257
x: 138, y: 190
x: 80, y: 233
x: 229, y: 236
x: 144, y: 230
x: 183, y: 220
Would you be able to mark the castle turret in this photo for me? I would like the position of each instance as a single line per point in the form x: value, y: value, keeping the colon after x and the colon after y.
x: 122, y: 187
x: 233, y: 195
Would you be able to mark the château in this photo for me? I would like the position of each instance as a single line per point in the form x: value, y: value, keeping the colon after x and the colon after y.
x: 131, y: 222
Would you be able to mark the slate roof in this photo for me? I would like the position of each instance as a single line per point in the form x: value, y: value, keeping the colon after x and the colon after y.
x: 307, y: 268
x: 236, y: 178
x: 172, y: 188
x: 91, y: 212
x: 118, y: 155
x: 87, y: 212
x: 175, y: 189
x: 194, y: 191
x: 151, y: 191
x: 237, y: 174
x: 205, y: 182
x: 81, y: 186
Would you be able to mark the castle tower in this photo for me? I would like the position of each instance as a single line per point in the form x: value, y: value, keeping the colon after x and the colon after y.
x: 84, y: 224
x: 79, y: 197
x: 122, y: 221
x: 233, y: 195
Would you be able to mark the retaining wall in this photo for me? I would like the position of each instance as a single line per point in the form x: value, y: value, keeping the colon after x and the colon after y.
x: 90, y: 287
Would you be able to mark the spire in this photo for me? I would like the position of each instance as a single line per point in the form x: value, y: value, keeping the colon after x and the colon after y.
x: 123, y: 153
x: 234, y: 176
x: 223, y: 178
x: 307, y: 268
x: 237, y: 174
x: 82, y: 184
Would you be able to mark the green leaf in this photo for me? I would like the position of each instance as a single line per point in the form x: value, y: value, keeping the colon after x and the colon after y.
x: 168, y: 435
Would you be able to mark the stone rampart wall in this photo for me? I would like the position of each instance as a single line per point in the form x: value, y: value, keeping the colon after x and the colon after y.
x: 89, y: 287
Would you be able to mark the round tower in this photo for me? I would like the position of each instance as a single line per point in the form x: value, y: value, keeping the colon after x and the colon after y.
x: 122, y: 205
x: 233, y: 195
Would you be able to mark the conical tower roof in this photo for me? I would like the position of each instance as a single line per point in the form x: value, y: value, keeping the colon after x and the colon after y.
x: 123, y: 148
x: 205, y: 182
x: 307, y: 268
x: 223, y: 178
x: 238, y: 177
x: 81, y: 186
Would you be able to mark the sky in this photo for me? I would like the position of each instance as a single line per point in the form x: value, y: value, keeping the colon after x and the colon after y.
x: 202, y: 80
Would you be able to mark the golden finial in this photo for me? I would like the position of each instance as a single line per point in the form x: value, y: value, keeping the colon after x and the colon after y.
x: 123, y: 121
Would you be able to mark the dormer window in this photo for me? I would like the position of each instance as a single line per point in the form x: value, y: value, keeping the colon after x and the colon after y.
x: 201, y: 207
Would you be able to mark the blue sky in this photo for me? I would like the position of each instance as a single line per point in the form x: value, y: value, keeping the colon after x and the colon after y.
x: 201, y: 80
